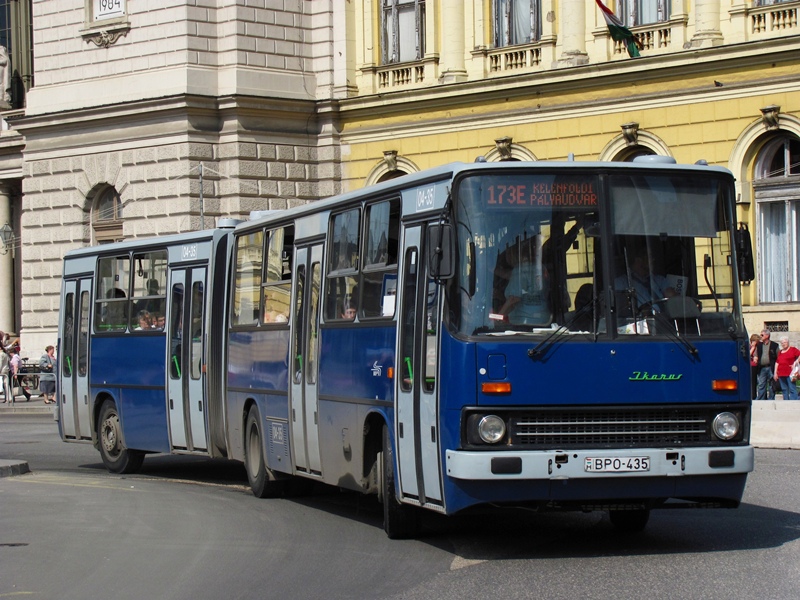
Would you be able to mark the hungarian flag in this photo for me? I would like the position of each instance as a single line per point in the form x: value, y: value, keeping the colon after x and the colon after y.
x: 619, y: 33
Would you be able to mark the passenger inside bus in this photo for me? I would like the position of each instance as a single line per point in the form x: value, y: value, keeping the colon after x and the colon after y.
x: 145, y: 320
x: 349, y: 309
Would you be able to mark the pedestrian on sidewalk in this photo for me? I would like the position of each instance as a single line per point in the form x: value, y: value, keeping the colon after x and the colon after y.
x: 766, y: 355
x: 16, y: 375
x: 47, y: 375
x: 788, y: 357
x: 5, y: 366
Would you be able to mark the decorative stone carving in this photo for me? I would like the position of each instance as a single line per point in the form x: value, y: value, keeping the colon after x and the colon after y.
x: 630, y: 131
x: 390, y: 158
x: 503, y: 146
x: 5, y: 79
x: 770, y: 115
x: 104, y: 39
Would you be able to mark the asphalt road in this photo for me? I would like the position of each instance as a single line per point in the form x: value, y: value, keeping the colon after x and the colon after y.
x: 189, y: 528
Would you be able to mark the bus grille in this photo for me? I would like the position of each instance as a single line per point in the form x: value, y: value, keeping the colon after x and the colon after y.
x: 617, y: 428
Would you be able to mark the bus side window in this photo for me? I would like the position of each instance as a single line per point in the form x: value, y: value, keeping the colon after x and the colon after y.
x: 277, y: 286
x: 247, y: 287
x: 149, y: 285
x: 111, y: 301
x: 379, y: 276
x: 342, y: 289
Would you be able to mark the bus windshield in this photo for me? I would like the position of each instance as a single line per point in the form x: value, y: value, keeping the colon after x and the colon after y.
x: 612, y: 253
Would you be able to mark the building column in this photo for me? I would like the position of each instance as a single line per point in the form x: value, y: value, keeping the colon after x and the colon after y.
x: 453, y: 41
x: 707, y: 29
x: 573, y: 30
x: 7, y: 303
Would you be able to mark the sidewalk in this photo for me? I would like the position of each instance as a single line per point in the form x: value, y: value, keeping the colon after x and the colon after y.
x: 776, y: 424
x: 36, y: 406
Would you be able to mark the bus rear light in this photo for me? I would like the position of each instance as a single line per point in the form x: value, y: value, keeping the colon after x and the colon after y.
x: 724, y: 385
x: 501, y: 387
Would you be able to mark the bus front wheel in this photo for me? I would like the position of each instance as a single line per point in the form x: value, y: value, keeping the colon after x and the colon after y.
x: 116, y: 457
x: 258, y: 474
x: 400, y: 521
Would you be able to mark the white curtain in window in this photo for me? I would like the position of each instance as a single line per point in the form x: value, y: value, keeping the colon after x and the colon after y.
x: 516, y: 22
x: 774, y: 252
x: 643, y: 12
x: 407, y: 38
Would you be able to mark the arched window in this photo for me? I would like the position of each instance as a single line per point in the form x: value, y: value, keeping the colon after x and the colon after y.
x: 107, y: 216
x: 777, y: 194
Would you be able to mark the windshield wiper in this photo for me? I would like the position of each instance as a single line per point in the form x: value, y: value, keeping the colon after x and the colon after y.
x: 565, y: 328
x: 673, y: 334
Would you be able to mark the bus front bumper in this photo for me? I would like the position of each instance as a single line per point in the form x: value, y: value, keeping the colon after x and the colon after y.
x: 594, y: 464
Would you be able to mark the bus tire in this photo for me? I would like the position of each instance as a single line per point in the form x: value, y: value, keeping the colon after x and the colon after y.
x: 116, y: 457
x: 261, y: 480
x: 629, y: 521
x: 400, y: 521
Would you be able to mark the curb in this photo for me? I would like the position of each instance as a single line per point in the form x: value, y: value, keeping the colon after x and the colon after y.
x: 13, y: 467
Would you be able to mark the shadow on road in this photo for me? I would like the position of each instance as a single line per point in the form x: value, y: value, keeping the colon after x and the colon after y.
x: 506, y: 533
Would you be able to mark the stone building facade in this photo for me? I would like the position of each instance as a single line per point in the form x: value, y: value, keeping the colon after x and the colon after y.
x: 149, y: 118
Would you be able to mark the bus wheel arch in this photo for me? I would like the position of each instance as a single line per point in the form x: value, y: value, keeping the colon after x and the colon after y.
x: 117, y: 458
x: 260, y: 477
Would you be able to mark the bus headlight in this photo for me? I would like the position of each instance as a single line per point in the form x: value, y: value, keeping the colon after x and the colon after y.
x: 491, y: 429
x: 726, y: 425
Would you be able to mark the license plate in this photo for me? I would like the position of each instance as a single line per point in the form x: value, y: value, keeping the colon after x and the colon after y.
x: 601, y: 464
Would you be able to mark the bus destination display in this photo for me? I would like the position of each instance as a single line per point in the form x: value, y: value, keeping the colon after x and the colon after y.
x: 529, y: 192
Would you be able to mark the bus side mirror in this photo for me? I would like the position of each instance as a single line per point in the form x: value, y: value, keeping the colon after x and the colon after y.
x: 441, y: 251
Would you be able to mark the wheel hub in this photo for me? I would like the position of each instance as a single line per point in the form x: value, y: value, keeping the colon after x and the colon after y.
x: 109, y: 437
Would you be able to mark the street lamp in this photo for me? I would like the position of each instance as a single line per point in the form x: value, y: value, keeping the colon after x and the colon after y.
x: 7, y: 238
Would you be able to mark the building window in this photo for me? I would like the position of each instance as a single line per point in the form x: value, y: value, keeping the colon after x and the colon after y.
x: 644, y: 12
x: 777, y: 194
x: 402, y: 30
x: 107, y: 217
x: 516, y: 22
x: 16, y: 33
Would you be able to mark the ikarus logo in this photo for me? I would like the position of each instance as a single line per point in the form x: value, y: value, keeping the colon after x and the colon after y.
x: 645, y: 376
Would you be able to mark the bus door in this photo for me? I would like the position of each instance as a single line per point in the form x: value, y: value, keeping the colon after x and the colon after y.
x: 186, y: 389
x: 416, y: 425
x: 305, y: 353
x: 76, y: 422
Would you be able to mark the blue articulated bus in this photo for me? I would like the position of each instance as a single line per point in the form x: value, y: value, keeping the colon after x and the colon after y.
x: 552, y: 335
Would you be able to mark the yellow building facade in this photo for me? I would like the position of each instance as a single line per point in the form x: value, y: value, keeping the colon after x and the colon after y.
x: 716, y: 80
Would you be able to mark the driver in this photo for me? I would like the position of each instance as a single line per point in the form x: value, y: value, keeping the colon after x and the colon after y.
x: 649, y: 287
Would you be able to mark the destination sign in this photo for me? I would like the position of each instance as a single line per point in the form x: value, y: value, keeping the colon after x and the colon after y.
x: 539, y: 192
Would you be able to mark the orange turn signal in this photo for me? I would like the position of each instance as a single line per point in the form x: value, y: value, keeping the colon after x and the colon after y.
x: 724, y: 385
x: 500, y: 387
x: 390, y: 372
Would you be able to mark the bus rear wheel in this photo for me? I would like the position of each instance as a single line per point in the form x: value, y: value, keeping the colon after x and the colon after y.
x: 116, y: 457
x: 400, y: 521
x: 259, y: 476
